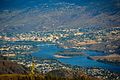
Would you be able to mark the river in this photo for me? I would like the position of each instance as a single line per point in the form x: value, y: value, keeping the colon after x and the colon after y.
x: 48, y: 51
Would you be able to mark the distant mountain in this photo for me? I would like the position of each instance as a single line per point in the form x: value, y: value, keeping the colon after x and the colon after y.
x: 39, y: 15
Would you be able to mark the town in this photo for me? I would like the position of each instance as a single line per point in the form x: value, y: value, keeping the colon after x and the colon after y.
x: 18, y: 47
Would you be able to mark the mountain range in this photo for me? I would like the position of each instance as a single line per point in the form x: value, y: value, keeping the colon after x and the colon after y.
x: 49, y: 15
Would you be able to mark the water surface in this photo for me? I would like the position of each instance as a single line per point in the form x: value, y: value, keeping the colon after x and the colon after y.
x: 48, y: 51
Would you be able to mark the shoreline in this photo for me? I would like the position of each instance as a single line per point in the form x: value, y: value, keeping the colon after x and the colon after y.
x: 109, y: 58
x: 59, y: 56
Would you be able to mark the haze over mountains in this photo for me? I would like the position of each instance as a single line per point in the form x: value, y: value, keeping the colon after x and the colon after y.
x: 39, y: 15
